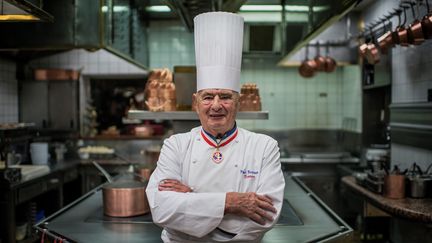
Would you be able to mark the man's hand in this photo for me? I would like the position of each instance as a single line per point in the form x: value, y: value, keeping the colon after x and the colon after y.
x: 251, y: 205
x: 173, y: 185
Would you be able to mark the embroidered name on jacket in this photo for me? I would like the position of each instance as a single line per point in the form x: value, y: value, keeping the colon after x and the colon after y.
x: 249, y: 174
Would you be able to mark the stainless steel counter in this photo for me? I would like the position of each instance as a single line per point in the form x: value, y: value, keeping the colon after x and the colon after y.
x: 78, y: 222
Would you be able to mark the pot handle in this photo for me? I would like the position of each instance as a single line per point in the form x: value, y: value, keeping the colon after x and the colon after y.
x: 104, y: 172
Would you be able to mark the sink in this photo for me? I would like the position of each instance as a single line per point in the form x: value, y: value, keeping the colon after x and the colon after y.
x: 288, y: 215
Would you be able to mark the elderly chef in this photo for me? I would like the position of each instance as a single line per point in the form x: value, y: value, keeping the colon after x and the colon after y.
x: 217, y: 182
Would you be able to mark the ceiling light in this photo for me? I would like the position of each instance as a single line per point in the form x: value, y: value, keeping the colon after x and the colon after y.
x: 158, y: 8
x: 21, y: 10
x: 116, y: 9
x: 278, y: 8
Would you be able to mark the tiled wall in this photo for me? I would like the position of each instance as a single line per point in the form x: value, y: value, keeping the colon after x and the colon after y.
x: 8, y: 91
x: 293, y: 102
x: 411, y: 78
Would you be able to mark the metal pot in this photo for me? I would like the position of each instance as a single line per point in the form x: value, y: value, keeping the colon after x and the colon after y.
x: 125, y: 199
x: 419, y: 186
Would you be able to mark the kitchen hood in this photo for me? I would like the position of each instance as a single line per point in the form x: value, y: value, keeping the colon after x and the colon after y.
x: 118, y: 26
x: 288, y: 25
x: 23, y: 10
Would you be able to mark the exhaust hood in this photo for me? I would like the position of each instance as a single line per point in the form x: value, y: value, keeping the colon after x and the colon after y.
x: 23, y: 10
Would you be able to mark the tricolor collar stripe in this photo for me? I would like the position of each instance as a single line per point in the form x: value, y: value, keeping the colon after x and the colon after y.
x: 222, y: 142
x: 226, y: 135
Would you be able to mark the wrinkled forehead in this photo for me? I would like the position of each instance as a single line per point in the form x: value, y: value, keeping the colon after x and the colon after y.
x: 216, y: 91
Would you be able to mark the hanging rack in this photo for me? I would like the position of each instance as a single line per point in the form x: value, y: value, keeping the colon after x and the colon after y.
x: 375, y: 25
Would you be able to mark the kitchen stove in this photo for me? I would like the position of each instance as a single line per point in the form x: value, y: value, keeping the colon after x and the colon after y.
x: 288, y: 217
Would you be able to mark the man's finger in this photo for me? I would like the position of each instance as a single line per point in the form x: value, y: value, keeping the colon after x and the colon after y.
x: 264, y: 214
x: 265, y: 198
x: 267, y: 206
x: 257, y: 218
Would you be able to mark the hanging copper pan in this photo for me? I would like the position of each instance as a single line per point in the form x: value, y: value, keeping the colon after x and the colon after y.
x: 363, y: 49
x: 427, y: 23
x: 330, y: 63
x: 372, y: 53
x: 319, y: 60
x: 415, y: 30
x: 308, y: 66
x: 402, y: 31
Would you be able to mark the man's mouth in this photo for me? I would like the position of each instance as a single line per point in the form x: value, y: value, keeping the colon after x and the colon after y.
x: 216, y: 116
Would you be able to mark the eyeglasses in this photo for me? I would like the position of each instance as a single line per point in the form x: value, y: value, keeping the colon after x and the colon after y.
x: 224, y: 98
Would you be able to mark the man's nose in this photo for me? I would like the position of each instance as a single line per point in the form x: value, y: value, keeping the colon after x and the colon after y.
x: 216, y: 104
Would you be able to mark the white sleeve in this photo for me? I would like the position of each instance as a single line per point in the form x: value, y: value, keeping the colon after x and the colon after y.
x: 272, y: 184
x: 181, y: 211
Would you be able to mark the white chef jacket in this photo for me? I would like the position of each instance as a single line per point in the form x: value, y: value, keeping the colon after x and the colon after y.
x: 251, y: 163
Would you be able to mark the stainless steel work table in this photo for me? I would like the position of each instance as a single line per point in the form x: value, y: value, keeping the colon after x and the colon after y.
x: 82, y: 221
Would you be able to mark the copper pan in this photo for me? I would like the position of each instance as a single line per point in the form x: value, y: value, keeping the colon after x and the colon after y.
x: 308, y: 66
x: 123, y: 198
x: 402, y: 32
x: 319, y: 60
x: 330, y: 63
x: 363, y: 49
x: 415, y: 30
x: 372, y: 54
x: 427, y: 23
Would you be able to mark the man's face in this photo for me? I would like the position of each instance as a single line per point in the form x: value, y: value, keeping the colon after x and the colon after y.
x: 217, y: 109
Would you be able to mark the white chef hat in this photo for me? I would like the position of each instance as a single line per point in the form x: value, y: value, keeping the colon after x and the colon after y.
x: 218, y: 50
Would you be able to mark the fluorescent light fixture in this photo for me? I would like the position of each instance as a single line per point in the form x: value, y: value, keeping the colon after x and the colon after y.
x: 21, y: 10
x: 158, y: 8
x: 116, y: 9
x: 278, y: 8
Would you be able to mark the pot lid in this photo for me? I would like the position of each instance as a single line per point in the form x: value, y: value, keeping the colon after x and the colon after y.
x: 125, y: 185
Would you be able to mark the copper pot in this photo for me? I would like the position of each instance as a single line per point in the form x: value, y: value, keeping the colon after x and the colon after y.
x: 125, y: 199
x: 427, y: 23
x: 142, y: 173
x: 394, y: 186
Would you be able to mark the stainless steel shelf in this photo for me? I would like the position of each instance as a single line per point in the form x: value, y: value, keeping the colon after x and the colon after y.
x: 190, y: 115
